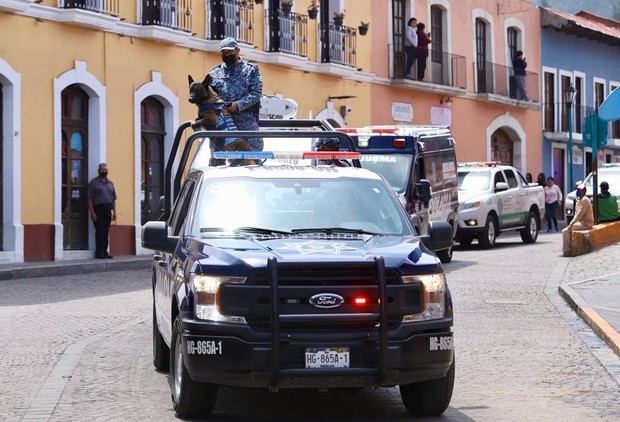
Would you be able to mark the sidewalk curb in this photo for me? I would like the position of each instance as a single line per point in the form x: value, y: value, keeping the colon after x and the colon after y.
x: 60, y: 268
x: 592, y: 318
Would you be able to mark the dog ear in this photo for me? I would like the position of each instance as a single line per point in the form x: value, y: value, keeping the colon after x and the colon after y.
x: 190, y: 79
x: 207, y: 80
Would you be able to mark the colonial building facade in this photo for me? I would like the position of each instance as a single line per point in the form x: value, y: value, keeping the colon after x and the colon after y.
x: 469, y: 82
x: 580, y: 52
x: 90, y: 81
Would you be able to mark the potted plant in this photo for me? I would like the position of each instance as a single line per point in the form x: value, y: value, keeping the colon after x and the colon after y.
x: 363, y: 27
x: 286, y: 6
x: 338, y: 18
x: 313, y: 9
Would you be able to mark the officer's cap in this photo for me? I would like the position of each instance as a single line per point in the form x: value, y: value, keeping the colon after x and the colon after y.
x: 228, y: 44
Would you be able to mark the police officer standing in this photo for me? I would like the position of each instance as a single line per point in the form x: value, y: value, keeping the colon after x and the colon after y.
x: 240, y: 84
x: 102, y: 207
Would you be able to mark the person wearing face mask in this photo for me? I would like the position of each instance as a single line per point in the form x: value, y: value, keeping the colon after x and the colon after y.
x: 102, y: 208
x: 239, y: 83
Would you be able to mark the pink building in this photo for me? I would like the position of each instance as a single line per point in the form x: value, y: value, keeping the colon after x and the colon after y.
x: 469, y: 81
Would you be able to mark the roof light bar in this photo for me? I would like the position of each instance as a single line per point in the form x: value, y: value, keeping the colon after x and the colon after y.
x: 287, y: 155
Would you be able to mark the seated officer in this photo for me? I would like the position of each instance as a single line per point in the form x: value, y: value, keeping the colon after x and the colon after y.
x: 583, y: 219
x: 330, y: 144
x: 607, y: 205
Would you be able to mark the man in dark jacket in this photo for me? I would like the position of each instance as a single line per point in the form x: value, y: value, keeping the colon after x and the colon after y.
x: 519, y: 65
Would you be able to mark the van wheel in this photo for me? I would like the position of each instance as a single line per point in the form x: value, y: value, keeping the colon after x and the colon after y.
x: 489, y: 235
x: 445, y: 255
x: 530, y: 233
x: 161, y: 352
x: 429, y: 398
x: 189, y: 398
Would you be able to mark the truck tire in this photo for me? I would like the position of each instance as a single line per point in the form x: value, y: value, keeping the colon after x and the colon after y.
x: 189, y: 398
x: 445, y: 255
x: 429, y: 398
x: 161, y: 352
x: 530, y: 233
x: 489, y: 235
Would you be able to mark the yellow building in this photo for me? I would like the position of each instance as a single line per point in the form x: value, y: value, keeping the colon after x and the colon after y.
x: 90, y: 81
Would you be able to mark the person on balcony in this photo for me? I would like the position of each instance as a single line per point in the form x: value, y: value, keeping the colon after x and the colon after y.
x: 239, y: 83
x: 411, y: 42
x: 519, y: 64
x: 424, y: 39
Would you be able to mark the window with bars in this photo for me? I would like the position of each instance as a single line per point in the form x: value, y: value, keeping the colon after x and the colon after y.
x: 481, y: 55
x: 578, y: 104
x: 565, y: 84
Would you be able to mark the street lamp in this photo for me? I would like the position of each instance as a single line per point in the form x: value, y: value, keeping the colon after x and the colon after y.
x: 569, y: 97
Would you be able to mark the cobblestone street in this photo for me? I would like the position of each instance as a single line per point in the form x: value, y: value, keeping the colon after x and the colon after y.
x: 79, y: 348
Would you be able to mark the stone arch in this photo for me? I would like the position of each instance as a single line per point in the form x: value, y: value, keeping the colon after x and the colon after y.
x: 13, y: 233
x: 154, y: 88
x: 96, y: 148
x: 513, y: 129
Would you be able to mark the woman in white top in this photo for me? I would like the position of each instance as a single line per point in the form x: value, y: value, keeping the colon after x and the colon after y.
x: 411, y: 42
x: 553, y: 198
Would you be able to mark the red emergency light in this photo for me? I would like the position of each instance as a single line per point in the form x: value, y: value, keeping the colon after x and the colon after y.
x: 399, y: 143
x: 360, y: 300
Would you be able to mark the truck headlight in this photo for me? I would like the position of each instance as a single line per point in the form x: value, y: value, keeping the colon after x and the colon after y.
x: 433, y: 296
x: 207, y: 297
x: 470, y: 205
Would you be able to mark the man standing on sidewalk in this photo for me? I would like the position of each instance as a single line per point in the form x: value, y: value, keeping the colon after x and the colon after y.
x: 102, y: 208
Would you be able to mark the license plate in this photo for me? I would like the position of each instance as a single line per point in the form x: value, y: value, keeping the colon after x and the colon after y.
x: 331, y: 357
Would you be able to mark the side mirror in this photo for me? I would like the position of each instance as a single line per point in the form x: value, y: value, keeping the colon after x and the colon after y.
x: 440, y: 236
x: 501, y: 186
x: 422, y: 190
x: 155, y: 236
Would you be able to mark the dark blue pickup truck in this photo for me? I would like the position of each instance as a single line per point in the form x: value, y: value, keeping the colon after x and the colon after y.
x: 307, y: 276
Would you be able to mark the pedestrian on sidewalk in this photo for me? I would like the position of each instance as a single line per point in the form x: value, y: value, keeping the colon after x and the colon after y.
x: 583, y: 219
x: 102, y: 208
x: 553, y: 199
x: 607, y: 205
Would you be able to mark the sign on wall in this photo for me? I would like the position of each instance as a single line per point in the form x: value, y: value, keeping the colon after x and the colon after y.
x: 402, y: 112
x: 577, y: 156
x: 441, y: 116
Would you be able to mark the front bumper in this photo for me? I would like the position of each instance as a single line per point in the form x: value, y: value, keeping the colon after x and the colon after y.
x: 414, y: 352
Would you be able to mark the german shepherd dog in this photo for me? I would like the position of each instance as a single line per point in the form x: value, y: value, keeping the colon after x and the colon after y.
x: 213, y: 116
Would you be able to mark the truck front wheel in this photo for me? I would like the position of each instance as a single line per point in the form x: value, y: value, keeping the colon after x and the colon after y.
x: 189, y: 398
x: 445, y: 255
x: 530, y: 233
x: 489, y: 234
x: 429, y: 398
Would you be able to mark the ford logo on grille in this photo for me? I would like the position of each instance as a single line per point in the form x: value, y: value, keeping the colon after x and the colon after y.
x: 326, y: 300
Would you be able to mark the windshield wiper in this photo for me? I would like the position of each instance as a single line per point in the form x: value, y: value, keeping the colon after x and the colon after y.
x: 332, y: 230
x: 258, y: 230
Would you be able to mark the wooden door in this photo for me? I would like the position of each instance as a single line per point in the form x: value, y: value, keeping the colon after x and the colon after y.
x: 502, y: 147
x: 152, y: 168
x: 75, y: 168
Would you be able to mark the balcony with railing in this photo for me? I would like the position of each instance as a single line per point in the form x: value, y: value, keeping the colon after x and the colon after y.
x: 106, y: 7
x: 578, y: 114
x: 288, y: 32
x: 231, y: 18
x: 500, y: 80
x: 338, y: 44
x: 174, y: 14
x: 441, y: 69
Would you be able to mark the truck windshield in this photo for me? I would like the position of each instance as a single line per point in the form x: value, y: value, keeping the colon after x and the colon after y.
x: 394, y: 167
x: 474, y: 180
x: 263, y: 205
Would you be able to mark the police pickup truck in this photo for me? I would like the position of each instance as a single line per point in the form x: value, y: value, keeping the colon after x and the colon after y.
x: 495, y: 198
x: 412, y: 158
x: 306, y: 276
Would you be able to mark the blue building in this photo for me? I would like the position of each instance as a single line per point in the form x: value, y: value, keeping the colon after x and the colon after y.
x: 581, y: 51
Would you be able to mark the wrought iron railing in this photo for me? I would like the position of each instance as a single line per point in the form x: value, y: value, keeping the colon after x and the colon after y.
x: 578, y: 116
x: 338, y: 44
x: 493, y: 78
x: 231, y: 18
x: 106, y: 7
x: 441, y: 68
x: 175, y: 14
x: 288, y: 32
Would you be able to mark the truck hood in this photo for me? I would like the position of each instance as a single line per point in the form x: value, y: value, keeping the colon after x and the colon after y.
x: 253, y: 252
x: 470, y: 196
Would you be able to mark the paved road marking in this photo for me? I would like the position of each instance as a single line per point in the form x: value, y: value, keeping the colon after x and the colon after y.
x: 43, y: 405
